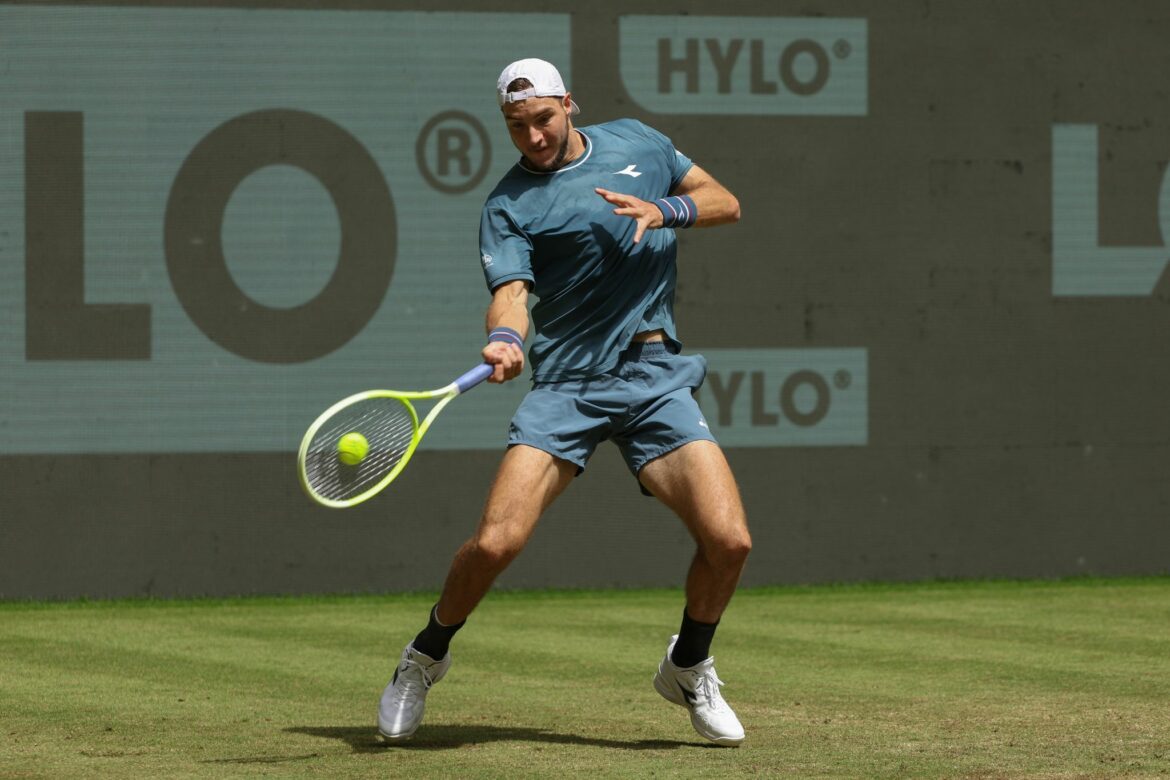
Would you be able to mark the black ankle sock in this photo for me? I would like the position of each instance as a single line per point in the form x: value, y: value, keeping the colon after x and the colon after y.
x: 436, y: 637
x: 694, y: 642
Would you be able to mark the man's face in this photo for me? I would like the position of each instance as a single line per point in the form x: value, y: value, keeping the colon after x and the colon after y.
x: 540, y: 129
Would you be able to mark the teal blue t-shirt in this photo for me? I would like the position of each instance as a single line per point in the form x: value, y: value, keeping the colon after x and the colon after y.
x: 595, y: 287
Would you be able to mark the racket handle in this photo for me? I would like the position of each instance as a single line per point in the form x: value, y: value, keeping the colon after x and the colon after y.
x: 474, y: 377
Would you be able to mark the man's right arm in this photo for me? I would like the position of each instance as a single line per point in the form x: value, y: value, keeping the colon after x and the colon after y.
x: 508, y: 309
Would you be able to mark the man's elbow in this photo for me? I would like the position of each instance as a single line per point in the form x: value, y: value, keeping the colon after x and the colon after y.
x: 733, y: 213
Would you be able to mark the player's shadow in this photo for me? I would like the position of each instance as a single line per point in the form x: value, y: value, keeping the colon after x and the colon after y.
x: 364, y: 739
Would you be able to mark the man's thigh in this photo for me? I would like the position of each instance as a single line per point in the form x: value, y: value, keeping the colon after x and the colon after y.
x: 696, y: 482
x: 527, y: 481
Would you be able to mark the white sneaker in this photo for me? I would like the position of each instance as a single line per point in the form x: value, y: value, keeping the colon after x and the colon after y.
x: 401, y: 708
x: 697, y: 689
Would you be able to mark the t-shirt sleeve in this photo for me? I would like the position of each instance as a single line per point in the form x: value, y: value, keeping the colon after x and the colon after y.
x: 677, y: 163
x: 505, y: 251
x: 680, y: 168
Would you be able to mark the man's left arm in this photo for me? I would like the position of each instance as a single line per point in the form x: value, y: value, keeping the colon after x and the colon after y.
x: 713, y: 203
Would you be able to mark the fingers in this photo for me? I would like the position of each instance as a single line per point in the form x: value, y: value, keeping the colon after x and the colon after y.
x: 646, y: 215
x: 613, y: 197
x: 628, y: 203
x: 507, y: 359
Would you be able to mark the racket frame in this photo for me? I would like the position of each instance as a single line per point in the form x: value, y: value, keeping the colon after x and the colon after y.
x: 445, y: 395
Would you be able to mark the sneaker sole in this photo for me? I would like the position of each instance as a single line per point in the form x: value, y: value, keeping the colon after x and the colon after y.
x: 724, y: 741
x: 396, y: 738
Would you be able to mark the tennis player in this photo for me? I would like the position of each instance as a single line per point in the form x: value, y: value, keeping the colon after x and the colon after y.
x: 586, y: 221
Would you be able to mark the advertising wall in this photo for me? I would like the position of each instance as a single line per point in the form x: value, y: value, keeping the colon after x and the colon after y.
x: 933, y: 339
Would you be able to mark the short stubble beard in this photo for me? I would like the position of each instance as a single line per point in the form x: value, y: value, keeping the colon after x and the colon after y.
x: 557, y: 161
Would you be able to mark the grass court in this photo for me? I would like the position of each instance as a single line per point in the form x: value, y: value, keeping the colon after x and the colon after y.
x: 1063, y: 679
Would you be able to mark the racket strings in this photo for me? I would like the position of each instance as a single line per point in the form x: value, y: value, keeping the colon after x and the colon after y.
x: 387, y: 425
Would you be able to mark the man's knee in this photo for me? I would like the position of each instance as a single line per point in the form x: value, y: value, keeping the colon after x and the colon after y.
x: 739, y: 546
x: 498, y: 547
x: 729, y: 549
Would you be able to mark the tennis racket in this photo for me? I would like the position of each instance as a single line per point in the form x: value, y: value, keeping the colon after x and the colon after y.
x: 338, y: 468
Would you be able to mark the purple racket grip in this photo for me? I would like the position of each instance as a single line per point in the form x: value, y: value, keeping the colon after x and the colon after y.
x: 474, y: 377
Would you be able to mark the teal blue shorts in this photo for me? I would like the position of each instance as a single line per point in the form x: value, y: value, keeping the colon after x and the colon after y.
x: 645, y: 405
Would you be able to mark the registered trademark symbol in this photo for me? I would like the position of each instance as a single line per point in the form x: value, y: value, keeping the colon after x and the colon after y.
x: 842, y: 379
x: 842, y: 48
x: 453, y: 152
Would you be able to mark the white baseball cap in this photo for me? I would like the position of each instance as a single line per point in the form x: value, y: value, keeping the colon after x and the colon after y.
x: 546, y: 82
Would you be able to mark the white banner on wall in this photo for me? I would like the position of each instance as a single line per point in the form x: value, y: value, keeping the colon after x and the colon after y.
x: 202, y: 185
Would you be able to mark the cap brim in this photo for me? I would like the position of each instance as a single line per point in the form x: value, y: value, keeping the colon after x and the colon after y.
x: 504, y: 98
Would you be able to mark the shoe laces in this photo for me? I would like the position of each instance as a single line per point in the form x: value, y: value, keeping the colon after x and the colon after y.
x: 412, y: 680
x: 707, y: 686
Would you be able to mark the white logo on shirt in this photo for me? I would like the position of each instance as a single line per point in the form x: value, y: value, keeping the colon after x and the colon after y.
x: 703, y: 422
x: 487, y: 260
x: 629, y: 171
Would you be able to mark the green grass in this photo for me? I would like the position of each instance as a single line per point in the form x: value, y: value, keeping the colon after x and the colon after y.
x: 964, y: 680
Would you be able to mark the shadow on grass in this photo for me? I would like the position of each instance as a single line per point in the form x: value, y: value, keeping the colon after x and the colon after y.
x: 365, y: 739
x: 262, y: 759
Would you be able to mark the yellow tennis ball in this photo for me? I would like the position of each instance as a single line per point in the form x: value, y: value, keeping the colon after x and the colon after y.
x: 352, y: 448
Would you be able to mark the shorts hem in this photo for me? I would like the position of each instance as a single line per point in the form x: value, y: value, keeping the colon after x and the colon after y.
x: 560, y: 456
x: 658, y: 453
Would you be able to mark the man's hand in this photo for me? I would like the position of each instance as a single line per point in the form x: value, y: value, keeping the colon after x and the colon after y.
x: 714, y: 204
x: 508, y: 360
x: 646, y: 214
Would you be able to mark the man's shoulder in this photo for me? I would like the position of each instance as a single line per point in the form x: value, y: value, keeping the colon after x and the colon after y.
x: 622, y: 128
x: 510, y: 186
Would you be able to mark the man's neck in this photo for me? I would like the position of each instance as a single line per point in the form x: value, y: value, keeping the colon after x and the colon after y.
x: 576, y: 147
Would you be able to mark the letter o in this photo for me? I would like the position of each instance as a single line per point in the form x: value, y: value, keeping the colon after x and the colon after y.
x: 788, y: 398
x: 788, y: 61
x: 194, y: 248
x: 1164, y: 207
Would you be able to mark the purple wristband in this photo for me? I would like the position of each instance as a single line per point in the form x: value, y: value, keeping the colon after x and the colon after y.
x: 678, y: 211
x: 506, y: 334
